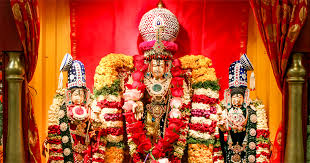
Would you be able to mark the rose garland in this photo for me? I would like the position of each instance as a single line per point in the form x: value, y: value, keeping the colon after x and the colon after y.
x: 262, y: 133
x: 178, y: 148
x: 106, y: 109
x: 54, y: 138
x: 203, y: 138
x: 175, y: 134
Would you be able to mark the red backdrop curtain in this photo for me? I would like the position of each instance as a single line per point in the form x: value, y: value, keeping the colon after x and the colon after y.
x: 216, y: 29
x: 279, y: 23
x: 27, y: 22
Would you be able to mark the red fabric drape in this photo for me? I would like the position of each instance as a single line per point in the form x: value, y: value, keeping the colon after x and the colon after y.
x: 216, y: 29
x: 279, y: 23
x: 27, y: 22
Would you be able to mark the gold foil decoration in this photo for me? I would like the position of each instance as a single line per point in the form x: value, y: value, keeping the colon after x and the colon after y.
x: 16, y: 12
x: 293, y: 32
x: 271, y: 32
x: 303, y: 14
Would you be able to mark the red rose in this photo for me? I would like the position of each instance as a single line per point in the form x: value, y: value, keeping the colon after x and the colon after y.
x: 176, y: 71
x: 176, y: 124
x: 177, y: 92
x: 177, y: 82
x: 141, y: 66
x: 170, y: 136
x: 157, y: 152
x: 138, y: 58
x: 136, y: 157
x: 138, y: 85
x: 176, y: 63
x: 136, y: 127
x: 130, y: 117
x: 144, y: 147
x: 138, y: 138
x: 137, y: 76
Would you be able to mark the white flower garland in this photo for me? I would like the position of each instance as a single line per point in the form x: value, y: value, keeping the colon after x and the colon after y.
x: 201, y: 120
x: 208, y: 92
x: 114, y: 123
x: 262, y: 124
x: 200, y: 135
x: 201, y: 106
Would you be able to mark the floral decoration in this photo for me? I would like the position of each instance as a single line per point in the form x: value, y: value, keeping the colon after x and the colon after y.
x: 203, y: 138
x: 262, y: 133
x: 107, y: 107
x: 53, y: 138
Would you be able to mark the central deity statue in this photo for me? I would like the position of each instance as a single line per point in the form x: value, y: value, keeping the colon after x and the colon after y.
x: 153, y: 108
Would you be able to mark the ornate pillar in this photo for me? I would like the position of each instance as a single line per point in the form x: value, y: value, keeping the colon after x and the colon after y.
x: 14, y: 71
x: 294, y: 151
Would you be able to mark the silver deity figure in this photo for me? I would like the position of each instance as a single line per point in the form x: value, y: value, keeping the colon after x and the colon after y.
x: 68, y: 127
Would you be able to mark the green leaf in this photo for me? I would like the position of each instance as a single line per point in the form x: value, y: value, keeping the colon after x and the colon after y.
x: 207, y: 84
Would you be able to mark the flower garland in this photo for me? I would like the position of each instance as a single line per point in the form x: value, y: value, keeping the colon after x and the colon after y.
x: 106, y: 109
x: 107, y: 70
x: 175, y: 134
x: 53, y: 138
x: 203, y: 139
x: 262, y: 133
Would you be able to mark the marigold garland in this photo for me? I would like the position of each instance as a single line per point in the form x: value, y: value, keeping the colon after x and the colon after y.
x: 200, y: 153
x: 107, y: 70
x: 106, y: 112
x: 203, y: 130
x: 114, y: 154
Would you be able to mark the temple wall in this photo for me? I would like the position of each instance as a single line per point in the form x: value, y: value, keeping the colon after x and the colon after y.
x: 266, y: 85
x: 54, y: 43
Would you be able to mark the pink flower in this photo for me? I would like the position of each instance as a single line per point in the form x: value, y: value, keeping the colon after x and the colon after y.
x: 177, y: 82
x: 138, y: 85
x: 176, y: 63
x: 137, y: 76
x: 163, y: 160
x: 129, y: 105
x: 138, y: 58
x: 132, y: 94
x: 176, y: 71
x: 175, y: 113
x: 176, y: 102
x: 177, y: 92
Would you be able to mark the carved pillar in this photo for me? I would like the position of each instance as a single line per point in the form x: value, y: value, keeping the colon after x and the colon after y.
x: 294, y: 151
x: 14, y: 75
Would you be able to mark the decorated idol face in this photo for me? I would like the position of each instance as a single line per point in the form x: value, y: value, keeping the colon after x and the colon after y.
x: 158, y: 68
x: 78, y: 96
x: 237, y: 100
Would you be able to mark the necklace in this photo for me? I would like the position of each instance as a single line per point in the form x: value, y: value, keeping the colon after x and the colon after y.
x: 157, y: 87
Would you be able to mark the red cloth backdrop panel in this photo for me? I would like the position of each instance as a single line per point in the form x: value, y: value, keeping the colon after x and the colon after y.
x: 216, y: 29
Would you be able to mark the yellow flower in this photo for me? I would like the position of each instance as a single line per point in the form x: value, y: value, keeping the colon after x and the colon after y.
x: 195, y: 61
x: 107, y: 70
x: 114, y: 154
x: 200, y: 153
